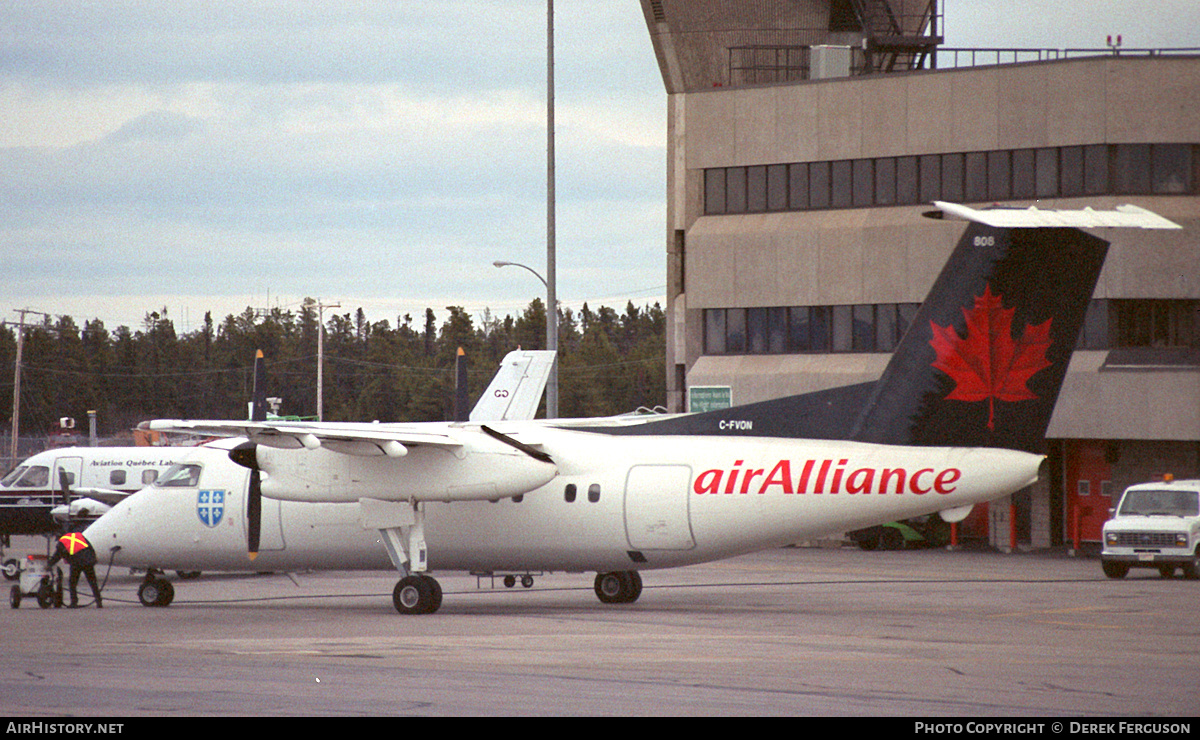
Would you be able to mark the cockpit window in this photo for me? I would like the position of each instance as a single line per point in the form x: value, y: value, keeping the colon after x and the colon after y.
x: 36, y: 476
x: 185, y: 475
x: 12, y: 477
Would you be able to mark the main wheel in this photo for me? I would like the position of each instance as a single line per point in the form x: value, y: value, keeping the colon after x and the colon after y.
x: 1191, y: 571
x: 618, y: 587
x: 419, y: 594
x: 1114, y: 569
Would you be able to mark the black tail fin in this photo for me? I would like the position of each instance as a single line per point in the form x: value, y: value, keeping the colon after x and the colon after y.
x: 984, y: 359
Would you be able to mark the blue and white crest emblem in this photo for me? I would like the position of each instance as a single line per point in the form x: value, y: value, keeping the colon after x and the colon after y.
x: 210, y: 506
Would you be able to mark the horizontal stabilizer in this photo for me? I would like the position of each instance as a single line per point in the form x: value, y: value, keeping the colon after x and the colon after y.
x: 1126, y: 216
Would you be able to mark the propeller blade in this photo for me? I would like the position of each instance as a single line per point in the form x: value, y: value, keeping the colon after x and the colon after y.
x: 461, y: 412
x: 246, y: 455
x: 253, y: 514
x: 258, y: 401
x: 500, y: 436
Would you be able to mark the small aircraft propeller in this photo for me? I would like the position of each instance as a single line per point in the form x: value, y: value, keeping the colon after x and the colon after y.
x: 246, y: 455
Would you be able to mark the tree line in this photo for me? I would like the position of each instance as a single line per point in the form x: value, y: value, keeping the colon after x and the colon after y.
x: 609, y: 363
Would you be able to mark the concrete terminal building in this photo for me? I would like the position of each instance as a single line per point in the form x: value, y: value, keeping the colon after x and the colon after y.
x: 805, y: 139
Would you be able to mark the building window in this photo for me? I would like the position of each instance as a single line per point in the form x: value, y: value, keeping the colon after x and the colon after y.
x: 1021, y: 174
x: 806, y: 329
x: 1156, y: 323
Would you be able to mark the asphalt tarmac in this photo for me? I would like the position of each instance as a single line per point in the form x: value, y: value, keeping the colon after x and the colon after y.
x: 796, y: 631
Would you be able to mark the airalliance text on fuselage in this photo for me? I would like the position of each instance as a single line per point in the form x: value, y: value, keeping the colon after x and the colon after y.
x: 826, y: 476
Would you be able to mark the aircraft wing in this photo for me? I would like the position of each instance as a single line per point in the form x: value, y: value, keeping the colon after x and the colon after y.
x: 516, y: 389
x: 349, y: 438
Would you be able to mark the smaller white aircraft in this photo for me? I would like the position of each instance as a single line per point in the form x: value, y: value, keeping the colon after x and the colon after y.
x: 958, y: 417
x: 73, y: 485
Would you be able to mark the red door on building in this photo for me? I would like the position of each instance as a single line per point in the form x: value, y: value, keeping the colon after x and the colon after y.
x: 1088, y: 477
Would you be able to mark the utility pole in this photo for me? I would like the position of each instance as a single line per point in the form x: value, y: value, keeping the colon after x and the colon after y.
x: 321, y: 356
x: 16, y: 409
x: 551, y: 292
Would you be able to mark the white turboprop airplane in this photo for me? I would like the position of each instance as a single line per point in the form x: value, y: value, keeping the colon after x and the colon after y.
x: 957, y: 418
x: 70, y: 485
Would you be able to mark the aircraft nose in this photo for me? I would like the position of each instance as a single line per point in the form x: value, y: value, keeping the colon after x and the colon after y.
x: 105, y: 532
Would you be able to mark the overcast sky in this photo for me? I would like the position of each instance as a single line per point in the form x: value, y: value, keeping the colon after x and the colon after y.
x: 212, y: 155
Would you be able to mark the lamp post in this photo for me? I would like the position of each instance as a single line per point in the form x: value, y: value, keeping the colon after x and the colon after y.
x: 551, y: 337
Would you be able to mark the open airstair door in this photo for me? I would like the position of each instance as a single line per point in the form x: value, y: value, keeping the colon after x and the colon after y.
x: 656, y: 507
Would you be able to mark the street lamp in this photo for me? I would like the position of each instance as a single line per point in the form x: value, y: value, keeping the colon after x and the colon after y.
x: 551, y: 338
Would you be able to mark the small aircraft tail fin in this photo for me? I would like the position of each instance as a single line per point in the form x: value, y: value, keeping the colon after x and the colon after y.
x: 516, y: 390
x: 985, y: 357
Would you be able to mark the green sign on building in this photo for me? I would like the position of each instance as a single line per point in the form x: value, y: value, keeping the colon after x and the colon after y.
x: 709, y: 398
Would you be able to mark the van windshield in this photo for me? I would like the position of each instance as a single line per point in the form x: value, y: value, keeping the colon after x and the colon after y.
x: 1162, y: 502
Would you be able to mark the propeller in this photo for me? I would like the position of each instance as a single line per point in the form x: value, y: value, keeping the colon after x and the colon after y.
x: 64, y: 482
x: 501, y: 437
x: 246, y: 455
x: 461, y: 412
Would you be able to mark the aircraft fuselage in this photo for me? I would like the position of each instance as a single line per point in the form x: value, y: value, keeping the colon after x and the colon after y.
x: 616, y: 503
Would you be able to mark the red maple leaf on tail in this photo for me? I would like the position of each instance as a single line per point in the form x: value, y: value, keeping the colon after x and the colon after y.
x: 988, y: 364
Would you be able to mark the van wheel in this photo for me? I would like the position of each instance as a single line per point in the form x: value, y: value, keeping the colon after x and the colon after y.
x: 1115, y: 570
x: 1191, y: 571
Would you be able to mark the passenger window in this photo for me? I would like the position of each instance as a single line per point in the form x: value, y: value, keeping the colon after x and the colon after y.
x: 569, y: 493
x: 116, y: 477
x: 149, y: 476
x: 594, y: 492
x: 180, y: 476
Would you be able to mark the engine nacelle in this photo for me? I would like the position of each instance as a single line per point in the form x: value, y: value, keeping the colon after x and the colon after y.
x: 425, y: 473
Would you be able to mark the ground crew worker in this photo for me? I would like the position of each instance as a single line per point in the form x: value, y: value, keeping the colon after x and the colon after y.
x: 82, y: 557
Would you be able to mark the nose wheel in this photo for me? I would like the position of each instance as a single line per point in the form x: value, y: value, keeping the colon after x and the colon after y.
x: 156, y: 591
x: 417, y: 594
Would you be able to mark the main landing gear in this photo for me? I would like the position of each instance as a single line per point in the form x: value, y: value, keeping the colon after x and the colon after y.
x: 619, y: 587
x: 402, y: 528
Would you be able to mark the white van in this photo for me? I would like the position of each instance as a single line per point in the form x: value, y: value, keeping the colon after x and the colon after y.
x: 1155, y: 525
